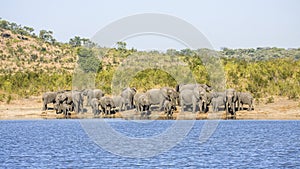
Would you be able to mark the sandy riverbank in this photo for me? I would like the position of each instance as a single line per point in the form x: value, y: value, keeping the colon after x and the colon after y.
x: 281, y: 109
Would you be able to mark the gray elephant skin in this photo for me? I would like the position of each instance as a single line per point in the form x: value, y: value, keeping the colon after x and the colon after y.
x: 48, y: 97
x: 245, y: 98
x: 119, y: 103
x: 64, y: 108
x: 169, y: 108
x: 92, y: 93
x: 217, y: 102
x: 135, y: 99
x: 106, y: 104
x: 95, y: 106
x: 181, y: 87
x: 159, y: 96
x: 64, y: 98
x: 143, y: 104
x: 193, y: 97
x: 77, y: 98
x: 128, y: 94
x: 230, y: 101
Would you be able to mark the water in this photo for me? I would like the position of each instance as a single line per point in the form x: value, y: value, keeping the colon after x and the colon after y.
x: 235, y: 144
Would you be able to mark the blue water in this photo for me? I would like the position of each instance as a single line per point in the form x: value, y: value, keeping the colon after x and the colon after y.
x: 234, y: 144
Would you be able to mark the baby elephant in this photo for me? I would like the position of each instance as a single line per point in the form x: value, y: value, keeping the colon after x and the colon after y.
x: 169, y: 108
x: 143, y: 104
x: 216, y: 102
x: 95, y: 106
x: 63, y: 108
x: 106, y: 104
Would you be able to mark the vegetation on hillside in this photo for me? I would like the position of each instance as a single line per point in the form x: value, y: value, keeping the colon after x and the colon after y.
x: 32, y: 64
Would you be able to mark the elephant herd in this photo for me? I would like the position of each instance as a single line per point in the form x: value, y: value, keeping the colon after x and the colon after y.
x: 197, y: 97
x: 201, y: 96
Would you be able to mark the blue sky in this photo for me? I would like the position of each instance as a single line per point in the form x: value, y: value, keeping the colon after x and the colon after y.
x: 225, y: 23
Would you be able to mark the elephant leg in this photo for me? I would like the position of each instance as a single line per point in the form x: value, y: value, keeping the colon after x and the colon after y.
x: 45, y: 105
x: 182, y: 107
x: 76, y: 108
x: 122, y: 107
x: 227, y: 111
x: 94, y: 110
x: 200, y: 106
x: 215, y: 108
x: 194, y: 107
x: 161, y: 105
x: 233, y: 109
x: 125, y: 106
x: 108, y: 110
x: 80, y: 107
x: 252, y: 107
x: 205, y: 107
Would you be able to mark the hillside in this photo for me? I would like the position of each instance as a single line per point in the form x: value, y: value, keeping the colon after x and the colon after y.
x: 31, y: 64
x: 20, y: 53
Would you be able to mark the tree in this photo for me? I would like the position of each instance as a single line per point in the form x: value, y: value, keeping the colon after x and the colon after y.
x: 88, y: 61
x: 46, y: 36
x: 187, y: 52
x: 4, y: 24
x: 76, y: 41
x: 121, y: 45
x: 28, y: 29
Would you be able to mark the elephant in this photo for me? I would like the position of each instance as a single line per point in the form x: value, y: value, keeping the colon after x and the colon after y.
x: 230, y: 100
x: 217, y: 94
x: 143, y: 104
x: 119, y: 102
x: 159, y: 96
x: 193, y: 97
x: 128, y: 94
x: 106, y: 104
x: 64, y: 108
x: 77, y: 98
x: 216, y: 102
x: 95, y: 106
x: 170, y: 94
x: 135, y: 100
x: 245, y: 98
x: 202, y: 97
x: 92, y: 93
x: 169, y: 108
x: 63, y: 98
x: 186, y: 98
x: 48, y: 97
x: 181, y: 87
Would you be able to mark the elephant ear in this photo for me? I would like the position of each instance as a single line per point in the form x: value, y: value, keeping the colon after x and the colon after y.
x: 165, y: 92
x: 236, y: 96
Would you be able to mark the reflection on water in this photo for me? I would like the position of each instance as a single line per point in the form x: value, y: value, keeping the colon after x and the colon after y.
x: 64, y: 144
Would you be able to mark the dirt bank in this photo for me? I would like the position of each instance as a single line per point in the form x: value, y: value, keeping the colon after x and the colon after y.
x: 281, y: 109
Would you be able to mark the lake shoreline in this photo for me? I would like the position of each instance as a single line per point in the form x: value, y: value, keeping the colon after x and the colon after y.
x: 30, y: 109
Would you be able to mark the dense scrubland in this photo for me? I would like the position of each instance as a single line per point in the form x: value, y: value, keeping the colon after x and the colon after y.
x: 31, y: 64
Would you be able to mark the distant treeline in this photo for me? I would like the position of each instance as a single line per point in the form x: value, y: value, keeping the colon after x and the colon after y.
x: 261, y: 71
